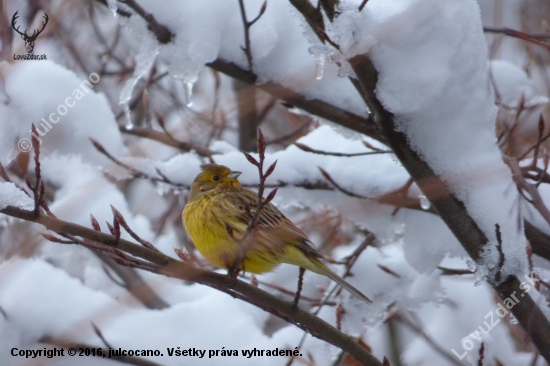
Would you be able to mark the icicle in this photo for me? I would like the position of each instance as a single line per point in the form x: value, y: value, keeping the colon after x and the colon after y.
x: 127, y: 115
x: 149, y: 50
x: 319, y: 67
x: 113, y: 7
x: 424, y: 202
x: 188, y: 90
x: 319, y: 53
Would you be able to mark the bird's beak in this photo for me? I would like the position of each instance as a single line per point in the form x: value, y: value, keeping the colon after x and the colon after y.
x: 233, y: 174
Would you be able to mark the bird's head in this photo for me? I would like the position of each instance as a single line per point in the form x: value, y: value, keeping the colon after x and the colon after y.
x: 212, y: 180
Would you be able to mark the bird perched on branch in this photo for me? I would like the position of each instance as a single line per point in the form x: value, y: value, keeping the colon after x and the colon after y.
x: 218, y: 217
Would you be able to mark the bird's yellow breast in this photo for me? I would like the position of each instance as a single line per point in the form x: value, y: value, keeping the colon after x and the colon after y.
x: 206, y: 232
x: 205, y: 221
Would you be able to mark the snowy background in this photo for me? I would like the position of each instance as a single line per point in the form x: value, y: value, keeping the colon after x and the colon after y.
x: 462, y: 95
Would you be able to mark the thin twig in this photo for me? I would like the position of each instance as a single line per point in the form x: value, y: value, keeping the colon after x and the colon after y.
x: 500, y: 253
x: 120, y: 219
x: 339, y: 314
x: 454, y: 272
x: 321, y: 152
x: 112, y: 277
x: 136, y: 173
x: 339, y: 187
x: 38, y: 187
x: 299, y: 289
x: 541, y: 138
x: 166, y: 139
x: 247, y: 24
x: 98, y: 332
x: 363, y: 3
x: 535, y: 39
x: 325, y: 301
x: 247, y: 240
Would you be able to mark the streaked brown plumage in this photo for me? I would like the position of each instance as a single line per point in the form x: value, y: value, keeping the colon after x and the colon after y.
x: 217, y: 201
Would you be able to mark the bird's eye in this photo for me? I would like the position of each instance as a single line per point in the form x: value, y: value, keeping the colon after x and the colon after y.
x: 215, y: 178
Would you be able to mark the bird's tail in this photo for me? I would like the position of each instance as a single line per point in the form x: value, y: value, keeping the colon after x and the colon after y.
x: 321, y: 268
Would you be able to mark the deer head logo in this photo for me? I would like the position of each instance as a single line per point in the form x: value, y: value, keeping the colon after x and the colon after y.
x: 29, y: 40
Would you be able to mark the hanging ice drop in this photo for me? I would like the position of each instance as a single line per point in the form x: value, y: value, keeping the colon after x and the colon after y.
x: 319, y: 67
x: 188, y: 90
x: 113, y: 7
x: 424, y: 202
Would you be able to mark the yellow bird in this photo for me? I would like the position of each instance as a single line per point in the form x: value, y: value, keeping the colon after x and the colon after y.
x: 217, y: 216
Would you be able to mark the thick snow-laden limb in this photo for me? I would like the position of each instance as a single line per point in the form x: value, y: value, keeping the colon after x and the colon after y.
x: 459, y: 189
x: 445, y: 107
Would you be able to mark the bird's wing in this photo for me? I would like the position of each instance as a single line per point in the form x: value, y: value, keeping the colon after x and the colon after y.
x: 273, y: 224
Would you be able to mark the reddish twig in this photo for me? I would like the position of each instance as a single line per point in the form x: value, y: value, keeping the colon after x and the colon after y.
x: 120, y: 220
x: 247, y: 24
x: 136, y: 173
x: 454, y: 272
x: 183, y: 255
x: 352, y: 258
x: 38, y: 187
x: 247, y: 240
x: 388, y: 270
x: 300, y: 283
x: 339, y: 314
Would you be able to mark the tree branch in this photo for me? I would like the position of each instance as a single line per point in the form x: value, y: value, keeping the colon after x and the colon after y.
x: 314, y: 106
x: 177, y: 269
x: 449, y: 207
